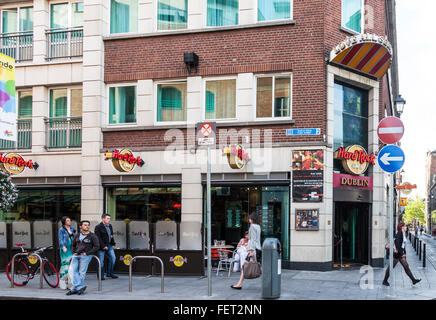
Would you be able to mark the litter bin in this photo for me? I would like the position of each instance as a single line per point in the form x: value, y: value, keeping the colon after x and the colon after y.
x: 271, y: 268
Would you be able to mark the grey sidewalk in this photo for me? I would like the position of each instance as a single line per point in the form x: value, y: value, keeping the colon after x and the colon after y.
x: 296, y: 285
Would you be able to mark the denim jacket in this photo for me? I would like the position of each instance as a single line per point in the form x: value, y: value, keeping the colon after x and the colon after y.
x: 63, y: 236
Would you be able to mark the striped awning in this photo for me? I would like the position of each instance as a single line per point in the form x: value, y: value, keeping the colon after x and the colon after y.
x: 366, y: 53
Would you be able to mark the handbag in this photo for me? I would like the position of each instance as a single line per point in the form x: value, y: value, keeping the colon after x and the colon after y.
x: 252, y: 269
x: 388, y: 247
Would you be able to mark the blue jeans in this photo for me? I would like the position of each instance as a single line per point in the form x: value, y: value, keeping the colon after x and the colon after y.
x: 78, y: 267
x: 110, y: 253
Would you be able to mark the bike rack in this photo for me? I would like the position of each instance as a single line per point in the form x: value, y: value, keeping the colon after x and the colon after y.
x: 13, y: 267
x: 99, y: 270
x: 146, y: 257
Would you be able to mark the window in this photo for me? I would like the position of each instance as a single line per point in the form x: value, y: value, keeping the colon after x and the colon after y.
x: 352, y: 11
x: 44, y: 204
x: 171, y: 102
x: 17, y: 19
x: 65, y: 103
x: 350, y: 118
x: 122, y: 105
x: 65, y: 123
x: 124, y: 16
x: 145, y: 204
x: 273, y: 10
x: 66, y: 15
x: 24, y: 104
x: 273, y: 97
x: 172, y: 14
x: 222, y: 12
x: 220, y: 99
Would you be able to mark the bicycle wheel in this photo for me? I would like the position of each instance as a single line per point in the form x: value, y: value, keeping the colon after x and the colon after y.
x: 50, y: 274
x: 21, y: 272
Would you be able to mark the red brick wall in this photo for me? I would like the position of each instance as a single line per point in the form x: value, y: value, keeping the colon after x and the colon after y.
x: 300, y: 48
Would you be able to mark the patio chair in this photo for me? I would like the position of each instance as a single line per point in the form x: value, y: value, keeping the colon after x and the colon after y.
x: 225, y: 262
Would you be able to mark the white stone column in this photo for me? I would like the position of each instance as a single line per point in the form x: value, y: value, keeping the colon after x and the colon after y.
x: 247, y: 11
x: 40, y: 111
x: 245, y: 96
x: 41, y: 22
x: 146, y: 16
x: 194, y: 96
x: 192, y: 194
x: 195, y: 14
x: 145, y: 103
x: 96, y: 15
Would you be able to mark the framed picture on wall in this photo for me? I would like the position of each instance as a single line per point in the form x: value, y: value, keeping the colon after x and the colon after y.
x: 307, y: 176
x: 307, y: 219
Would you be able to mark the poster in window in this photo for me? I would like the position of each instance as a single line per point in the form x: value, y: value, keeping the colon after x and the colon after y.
x: 308, y: 176
x: 307, y: 219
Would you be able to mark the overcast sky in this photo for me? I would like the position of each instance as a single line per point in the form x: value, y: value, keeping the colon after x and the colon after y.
x: 417, y: 72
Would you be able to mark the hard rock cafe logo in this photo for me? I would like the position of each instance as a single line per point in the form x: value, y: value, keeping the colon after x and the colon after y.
x: 124, y: 160
x: 15, y: 164
x: 354, y: 158
x: 406, y: 187
x: 178, y: 261
x: 126, y: 259
x: 236, y: 156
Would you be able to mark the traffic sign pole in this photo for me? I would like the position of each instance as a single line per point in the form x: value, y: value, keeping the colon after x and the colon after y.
x: 391, y: 237
x: 209, y: 226
x: 206, y: 136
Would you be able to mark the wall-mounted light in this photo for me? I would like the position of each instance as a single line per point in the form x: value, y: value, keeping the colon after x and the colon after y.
x: 191, y: 61
x: 399, y: 104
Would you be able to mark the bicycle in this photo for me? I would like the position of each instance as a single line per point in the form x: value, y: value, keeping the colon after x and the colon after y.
x: 26, y: 267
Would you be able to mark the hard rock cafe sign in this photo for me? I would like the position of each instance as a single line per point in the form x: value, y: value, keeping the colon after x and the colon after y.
x: 354, y: 158
x: 237, y: 157
x: 406, y: 187
x: 124, y: 160
x: 14, y: 163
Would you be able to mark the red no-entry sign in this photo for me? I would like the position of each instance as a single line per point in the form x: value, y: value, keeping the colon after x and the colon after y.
x: 390, y: 130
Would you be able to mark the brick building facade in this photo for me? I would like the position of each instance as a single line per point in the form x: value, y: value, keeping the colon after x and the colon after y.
x: 134, y: 70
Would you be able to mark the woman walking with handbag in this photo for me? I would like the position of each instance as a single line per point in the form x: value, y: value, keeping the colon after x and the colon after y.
x: 254, y: 248
x: 400, y: 254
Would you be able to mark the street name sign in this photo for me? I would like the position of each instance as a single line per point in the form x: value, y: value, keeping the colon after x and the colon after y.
x: 303, y: 132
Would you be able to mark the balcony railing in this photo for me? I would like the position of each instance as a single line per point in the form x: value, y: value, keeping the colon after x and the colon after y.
x: 64, y: 132
x: 64, y: 43
x: 18, y: 45
x: 24, y: 140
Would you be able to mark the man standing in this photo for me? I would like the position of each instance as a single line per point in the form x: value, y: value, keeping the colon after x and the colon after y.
x: 105, y: 235
x: 85, y: 244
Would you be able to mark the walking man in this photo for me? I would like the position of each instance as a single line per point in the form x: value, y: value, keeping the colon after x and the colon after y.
x: 85, y: 245
x: 105, y: 235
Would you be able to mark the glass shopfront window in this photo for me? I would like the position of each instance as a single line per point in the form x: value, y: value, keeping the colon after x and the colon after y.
x: 350, y: 118
x: 232, y: 205
x: 44, y: 204
x: 144, y: 204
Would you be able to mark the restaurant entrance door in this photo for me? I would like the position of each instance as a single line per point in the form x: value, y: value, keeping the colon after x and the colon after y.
x: 352, y: 227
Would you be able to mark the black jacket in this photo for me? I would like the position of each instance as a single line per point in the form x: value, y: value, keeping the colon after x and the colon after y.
x: 104, y: 238
x: 399, y: 244
x: 89, y: 245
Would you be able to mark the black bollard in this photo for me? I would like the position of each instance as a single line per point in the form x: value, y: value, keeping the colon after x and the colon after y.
x: 420, y: 249
x: 424, y: 256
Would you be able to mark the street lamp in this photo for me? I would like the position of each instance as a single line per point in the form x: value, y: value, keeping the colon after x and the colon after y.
x: 399, y: 104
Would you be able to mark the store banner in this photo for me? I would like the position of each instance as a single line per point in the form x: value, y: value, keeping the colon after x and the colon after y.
x: 8, y: 107
x: 308, y: 176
